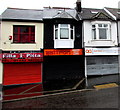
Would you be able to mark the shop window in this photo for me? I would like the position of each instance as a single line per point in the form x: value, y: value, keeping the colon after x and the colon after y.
x: 101, y: 31
x: 23, y: 34
x: 63, y: 31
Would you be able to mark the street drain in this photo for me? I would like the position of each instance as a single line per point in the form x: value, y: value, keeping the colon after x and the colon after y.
x: 110, y: 85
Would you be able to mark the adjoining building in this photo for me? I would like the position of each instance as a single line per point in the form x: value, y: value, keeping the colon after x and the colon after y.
x: 63, y: 44
x: 100, y: 42
x: 22, y: 46
x: 115, y: 12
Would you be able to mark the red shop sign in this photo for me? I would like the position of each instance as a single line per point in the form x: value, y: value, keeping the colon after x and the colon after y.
x: 22, y: 57
x: 53, y: 52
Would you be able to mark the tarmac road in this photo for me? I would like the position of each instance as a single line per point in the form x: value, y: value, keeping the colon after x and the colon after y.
x: 103, y: 98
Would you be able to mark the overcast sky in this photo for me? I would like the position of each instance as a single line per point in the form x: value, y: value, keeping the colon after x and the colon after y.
x: 39, y: 4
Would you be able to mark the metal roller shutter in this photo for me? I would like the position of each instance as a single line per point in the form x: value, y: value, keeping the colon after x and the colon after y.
x: 102, y: 65
x: 22, y: 73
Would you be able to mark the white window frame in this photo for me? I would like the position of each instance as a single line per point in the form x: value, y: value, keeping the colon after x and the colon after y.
x: 96, y: 29
x: 58, y: 28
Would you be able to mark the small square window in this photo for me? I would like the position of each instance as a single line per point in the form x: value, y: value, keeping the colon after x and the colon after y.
x: 23, y: 34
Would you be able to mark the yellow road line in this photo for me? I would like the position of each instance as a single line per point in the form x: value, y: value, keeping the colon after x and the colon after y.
x: 110, y: 85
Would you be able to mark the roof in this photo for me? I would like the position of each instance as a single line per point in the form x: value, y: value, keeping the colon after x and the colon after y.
x: 91, y: 13
x: 57, y: 12
x: 22, y: 14
x: 114, y: 11
x: 51, y: 13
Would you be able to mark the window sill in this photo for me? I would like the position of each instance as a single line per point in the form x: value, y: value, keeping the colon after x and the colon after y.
x: 63, y: 39
x: 102, y: 40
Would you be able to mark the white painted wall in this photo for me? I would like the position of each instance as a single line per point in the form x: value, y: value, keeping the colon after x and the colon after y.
x: 87, y: 25
x: 7, y: 30
x: 64, y: 43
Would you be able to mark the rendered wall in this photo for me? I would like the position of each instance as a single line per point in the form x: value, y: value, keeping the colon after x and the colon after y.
x: 7, y: 30
x: 88, y: 35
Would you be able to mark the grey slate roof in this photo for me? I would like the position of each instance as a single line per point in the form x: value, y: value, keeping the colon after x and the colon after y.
x: 51, y: 13
x: 22, y: 14
x: 59, y: 13
x: 90, y: 13
x: 114, y: 11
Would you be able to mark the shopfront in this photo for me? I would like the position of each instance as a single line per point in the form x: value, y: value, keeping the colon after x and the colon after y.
x: 101, y: 61
x: 20, y: 67
x: 63, y: 64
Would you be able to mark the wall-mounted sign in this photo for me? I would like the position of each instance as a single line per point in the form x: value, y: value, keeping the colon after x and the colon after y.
x: 101, y: 51
x: 22, y: 57
x: 55, y: 52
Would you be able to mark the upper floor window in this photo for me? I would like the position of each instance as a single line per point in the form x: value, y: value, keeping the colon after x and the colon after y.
x: 63, y: 31
x: 23, y: 34
x: 101, y: 31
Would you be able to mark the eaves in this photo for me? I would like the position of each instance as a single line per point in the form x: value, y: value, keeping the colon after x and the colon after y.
x: 22, y: 20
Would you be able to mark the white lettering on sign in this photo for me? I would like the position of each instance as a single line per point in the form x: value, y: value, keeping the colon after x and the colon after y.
x: 9, y: 56
x: 22, y: 55
x: 33, y: 55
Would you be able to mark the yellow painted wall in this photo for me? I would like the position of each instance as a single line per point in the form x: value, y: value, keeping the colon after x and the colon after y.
x: 7, y: 30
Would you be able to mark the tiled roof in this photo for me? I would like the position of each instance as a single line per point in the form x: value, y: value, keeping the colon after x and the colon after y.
x: 114, y: 11
x: 51, y: 13
x: 90, y: 13
x: 22, y: 14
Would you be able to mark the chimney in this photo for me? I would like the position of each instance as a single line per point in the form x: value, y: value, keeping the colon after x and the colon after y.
x: 78, y: 5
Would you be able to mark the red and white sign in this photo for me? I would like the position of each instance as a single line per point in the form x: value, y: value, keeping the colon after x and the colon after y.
x: 54, y: 52
x: 22, y: 57
x: 101, y: 51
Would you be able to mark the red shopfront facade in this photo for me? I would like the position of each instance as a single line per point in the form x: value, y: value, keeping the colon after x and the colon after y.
x: 22, y: 67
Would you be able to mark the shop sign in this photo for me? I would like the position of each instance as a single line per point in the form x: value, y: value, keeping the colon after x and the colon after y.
x: 22, y: 57
x: 55, y: 52
x: 101, y: 51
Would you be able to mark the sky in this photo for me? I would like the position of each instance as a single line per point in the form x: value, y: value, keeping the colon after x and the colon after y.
x: 39, y: 4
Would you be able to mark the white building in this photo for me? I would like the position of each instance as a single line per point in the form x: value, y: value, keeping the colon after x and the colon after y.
x: 100, y: 42
x: 115, y: 12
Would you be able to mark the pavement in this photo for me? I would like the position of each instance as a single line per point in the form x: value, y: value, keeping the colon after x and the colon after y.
x: 95, y: 99
x: 97, y: 92
x: 26, y: 91
x: 91, y: 81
